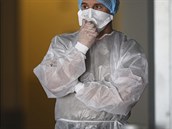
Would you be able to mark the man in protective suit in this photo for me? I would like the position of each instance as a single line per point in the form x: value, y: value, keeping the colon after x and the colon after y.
x: 96, y: 74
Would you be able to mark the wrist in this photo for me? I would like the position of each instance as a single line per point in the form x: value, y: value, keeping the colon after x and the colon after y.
x: 81, y: 47
x: 79, y: 86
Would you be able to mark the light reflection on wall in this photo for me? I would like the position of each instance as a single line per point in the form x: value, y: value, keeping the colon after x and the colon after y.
x: 40, y: 21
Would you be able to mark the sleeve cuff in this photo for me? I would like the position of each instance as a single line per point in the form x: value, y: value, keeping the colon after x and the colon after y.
x: 79, y: 86
x: 82, y: 48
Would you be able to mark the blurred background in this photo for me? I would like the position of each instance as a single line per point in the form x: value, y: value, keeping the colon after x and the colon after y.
x: 27, y: 27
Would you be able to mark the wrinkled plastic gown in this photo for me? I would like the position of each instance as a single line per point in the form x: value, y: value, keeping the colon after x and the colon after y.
x: 114, y: 74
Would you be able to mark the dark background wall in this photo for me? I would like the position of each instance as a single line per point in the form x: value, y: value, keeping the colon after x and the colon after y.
x: 11, y: 111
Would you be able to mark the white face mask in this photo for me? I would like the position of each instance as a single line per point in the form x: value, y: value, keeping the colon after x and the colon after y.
x: 99, y: 18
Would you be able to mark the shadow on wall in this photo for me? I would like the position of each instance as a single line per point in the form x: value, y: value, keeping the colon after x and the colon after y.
x: 12, y: 119
x: 12, y: 115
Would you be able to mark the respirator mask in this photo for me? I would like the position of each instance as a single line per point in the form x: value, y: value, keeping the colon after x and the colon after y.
x: 99, y: 18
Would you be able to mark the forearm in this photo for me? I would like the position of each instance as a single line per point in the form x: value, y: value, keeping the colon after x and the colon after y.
x: 110, y: 97
x: 57, y: 74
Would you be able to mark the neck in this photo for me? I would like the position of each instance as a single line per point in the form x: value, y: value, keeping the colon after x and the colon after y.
x: 108, y: 29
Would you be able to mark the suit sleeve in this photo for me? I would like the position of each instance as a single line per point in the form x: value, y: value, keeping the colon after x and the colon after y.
x: 59, y: 70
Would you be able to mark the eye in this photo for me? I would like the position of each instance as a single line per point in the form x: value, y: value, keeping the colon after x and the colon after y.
x: 98, y: 7
x: 84, y: 6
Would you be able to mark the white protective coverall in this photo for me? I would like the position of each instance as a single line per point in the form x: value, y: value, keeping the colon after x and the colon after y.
x: 111, y: 78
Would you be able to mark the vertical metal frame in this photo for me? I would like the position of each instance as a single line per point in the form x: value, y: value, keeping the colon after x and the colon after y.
x: 151, y: 64
x: 170, y: 101
x: 162, y: 49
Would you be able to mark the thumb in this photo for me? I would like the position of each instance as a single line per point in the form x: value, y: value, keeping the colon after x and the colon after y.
x: 83, y: 23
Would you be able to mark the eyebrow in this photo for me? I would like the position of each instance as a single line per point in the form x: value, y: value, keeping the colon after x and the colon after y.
x: 84, y: 3
x: 99, y: 4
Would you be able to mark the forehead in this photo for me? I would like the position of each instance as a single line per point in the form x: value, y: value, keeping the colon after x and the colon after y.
x: 90, y: 1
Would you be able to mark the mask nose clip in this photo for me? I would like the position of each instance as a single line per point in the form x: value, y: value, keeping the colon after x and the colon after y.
x: 90, y: 13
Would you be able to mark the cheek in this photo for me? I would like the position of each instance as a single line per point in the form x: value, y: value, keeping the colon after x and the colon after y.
x: 106, y: 10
